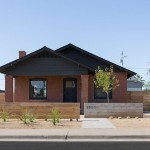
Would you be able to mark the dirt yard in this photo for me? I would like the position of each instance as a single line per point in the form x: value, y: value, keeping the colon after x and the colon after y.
x: 66, y: 123
x: 39, y: 124
x: 132, y: 122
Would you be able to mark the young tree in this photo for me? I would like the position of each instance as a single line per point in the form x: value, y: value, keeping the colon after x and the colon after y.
x: 106, y: 80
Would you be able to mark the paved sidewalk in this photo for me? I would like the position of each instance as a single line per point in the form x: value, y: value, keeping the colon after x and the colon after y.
x: 95, y: 123
x: 73, y: 134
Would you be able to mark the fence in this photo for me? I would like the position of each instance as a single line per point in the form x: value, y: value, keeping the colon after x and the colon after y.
x: 140, y: 97
x: 42, y: 110
x: 2, y: 97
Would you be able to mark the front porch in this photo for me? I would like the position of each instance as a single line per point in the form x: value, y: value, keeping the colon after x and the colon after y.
x: 51, y: 89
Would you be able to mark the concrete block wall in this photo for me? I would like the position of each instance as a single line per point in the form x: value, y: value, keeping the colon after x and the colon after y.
x: 102, y: 110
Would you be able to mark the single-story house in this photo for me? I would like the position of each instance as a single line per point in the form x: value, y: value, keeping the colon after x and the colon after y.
x: 62, y: 75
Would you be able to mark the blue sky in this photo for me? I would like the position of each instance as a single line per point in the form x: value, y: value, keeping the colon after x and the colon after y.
x: 103, y: 27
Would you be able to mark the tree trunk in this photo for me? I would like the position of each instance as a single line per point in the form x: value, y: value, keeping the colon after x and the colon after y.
x: 107, y: 97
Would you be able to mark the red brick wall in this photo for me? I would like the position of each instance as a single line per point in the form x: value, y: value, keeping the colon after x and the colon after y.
x: 91, y: 88
x: 84, y: 90
x: 9, y: 88
x: 21, y: 89
x: 119, y: 94
x: 55, y: 88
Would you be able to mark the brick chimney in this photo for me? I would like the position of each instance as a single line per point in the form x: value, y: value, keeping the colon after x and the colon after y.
x: 22, y: 54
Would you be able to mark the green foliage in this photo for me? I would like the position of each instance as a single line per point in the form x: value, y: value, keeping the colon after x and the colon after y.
x: 138, y: 78
x: 106, y: 80
x: 55, y: 116
x: 147, y: 86
x: 27, y: 117
x: 31, y: 118
x: 4, y: 115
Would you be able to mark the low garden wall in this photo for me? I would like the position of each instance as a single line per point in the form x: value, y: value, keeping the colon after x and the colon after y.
x: 102, y: 110
x: 42, y: 110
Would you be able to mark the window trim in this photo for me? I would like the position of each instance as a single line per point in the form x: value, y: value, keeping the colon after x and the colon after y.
x: 102, y: 98
x: 36, y: 98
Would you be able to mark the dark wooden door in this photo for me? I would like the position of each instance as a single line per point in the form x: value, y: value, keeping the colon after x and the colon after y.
x: 70, y: 90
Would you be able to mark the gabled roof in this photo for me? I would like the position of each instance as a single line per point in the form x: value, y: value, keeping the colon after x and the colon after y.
x: 19, y: 60
x: 60, y: 50
x: 60, y: 53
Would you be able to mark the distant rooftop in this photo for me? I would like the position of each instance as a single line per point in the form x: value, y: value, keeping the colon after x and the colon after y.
x: 2, y: 91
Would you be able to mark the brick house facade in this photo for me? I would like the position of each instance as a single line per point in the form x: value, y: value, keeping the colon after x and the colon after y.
x: 63, y: 75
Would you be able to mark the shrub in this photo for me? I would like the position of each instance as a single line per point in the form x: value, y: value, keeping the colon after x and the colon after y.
x: 4, y: 115
x: 54, y: 116
x: 27, y: 117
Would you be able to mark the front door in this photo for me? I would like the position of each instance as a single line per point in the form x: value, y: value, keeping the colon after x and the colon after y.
x: 70, y: 90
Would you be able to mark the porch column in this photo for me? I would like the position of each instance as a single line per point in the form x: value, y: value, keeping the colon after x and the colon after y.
x: 84, y: 91
x: 8, y: 88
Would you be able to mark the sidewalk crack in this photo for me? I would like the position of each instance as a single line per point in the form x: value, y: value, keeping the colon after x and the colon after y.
x: 66, y: 137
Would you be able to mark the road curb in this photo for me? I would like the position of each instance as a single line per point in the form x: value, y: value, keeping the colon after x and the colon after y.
x: 33, y: 137
x: 75, y: 137
x: 110, y: 137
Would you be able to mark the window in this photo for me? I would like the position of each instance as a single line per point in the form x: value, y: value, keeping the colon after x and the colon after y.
x: 38, y: 89
x: 70, y: 84
x: 99, y: 94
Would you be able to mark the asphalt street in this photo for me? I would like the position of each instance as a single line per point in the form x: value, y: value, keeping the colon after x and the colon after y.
x: 75, y: 145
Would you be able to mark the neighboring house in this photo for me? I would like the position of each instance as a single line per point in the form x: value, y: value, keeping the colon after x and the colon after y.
x: 63, y: 75
x: 2, y: 91
x: 134, y: 85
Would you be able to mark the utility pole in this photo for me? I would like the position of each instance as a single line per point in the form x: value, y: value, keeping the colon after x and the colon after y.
x: 122, y: 58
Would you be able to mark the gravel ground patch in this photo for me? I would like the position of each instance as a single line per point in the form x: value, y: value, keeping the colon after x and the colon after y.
x: 66, y: 123
x: 39, y: 124
x: 131, y: 123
